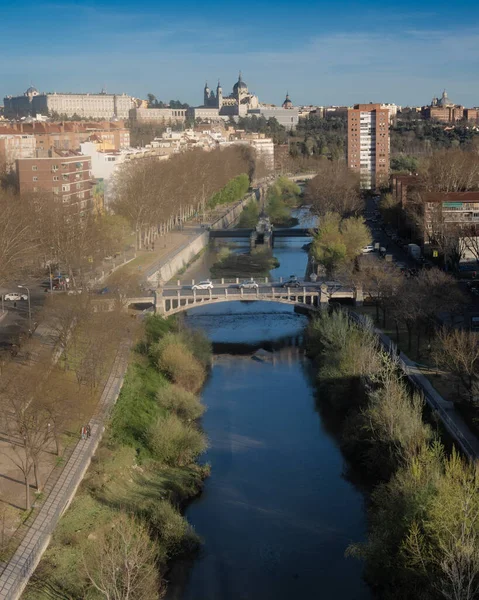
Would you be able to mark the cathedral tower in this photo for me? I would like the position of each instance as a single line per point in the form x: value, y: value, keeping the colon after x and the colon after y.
x: 206, y: 95
x: 219, y: 95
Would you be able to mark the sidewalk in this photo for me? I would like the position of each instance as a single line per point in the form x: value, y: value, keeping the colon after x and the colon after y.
x: 147, y: 261
x: 22, y: 564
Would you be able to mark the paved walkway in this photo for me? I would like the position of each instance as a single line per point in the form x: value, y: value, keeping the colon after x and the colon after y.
x: 22, y: 564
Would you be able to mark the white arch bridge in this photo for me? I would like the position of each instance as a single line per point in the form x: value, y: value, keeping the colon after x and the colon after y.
x: 170, y: 301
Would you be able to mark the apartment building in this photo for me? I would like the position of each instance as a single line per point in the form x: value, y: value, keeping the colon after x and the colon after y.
x: 368, y: 144
x: 13, y: 146
x: 69, y: 135
x: 67, y: 176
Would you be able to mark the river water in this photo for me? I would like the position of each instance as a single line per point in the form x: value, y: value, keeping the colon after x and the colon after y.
x: 277, y: 512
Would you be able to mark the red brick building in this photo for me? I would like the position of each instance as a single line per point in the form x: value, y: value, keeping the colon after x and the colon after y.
x: 368, y: 144
x: 67, y: 176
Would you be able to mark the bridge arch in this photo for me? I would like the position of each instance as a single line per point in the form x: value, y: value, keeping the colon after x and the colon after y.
x: 173, y: 305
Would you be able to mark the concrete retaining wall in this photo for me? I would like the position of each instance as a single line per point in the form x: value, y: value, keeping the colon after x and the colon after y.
x: 232, y: 216
x: 180, y: 259
x: 184, y: 255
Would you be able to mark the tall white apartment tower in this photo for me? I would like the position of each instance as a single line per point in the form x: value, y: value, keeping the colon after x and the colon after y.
x: 368, y: 144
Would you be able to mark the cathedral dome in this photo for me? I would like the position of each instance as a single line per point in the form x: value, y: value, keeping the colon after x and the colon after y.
x: 444, y: 101
x: 240, y: 85
x: 287, y: 103
x: 31, y: 91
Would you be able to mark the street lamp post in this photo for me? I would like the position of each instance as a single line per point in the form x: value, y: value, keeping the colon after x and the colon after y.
x: 51, y: 278
x: 29, y: 308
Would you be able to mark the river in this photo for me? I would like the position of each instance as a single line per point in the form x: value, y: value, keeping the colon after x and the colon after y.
x: 277, y: 512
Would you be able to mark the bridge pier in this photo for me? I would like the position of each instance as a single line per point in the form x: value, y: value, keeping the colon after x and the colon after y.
x: 358, y: 296
x: 323, y: 296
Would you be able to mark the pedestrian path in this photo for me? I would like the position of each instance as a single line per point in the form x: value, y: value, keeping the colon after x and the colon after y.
x: 451, y: 419
x: 18, y: 570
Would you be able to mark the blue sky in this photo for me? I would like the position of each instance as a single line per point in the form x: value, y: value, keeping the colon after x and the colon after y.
x: 322, y: 52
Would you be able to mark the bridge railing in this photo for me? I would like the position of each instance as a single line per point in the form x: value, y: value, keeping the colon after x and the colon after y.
x: 233, y: 280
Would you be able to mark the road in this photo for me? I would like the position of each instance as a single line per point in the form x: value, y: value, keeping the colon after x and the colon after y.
x: 15, y: 323
x: 264, y: 288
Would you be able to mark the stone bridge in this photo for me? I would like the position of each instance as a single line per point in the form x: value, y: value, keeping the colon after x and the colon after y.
x: 169, y: 302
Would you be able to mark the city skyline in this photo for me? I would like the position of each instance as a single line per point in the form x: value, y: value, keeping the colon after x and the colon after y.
x: 331, y: 54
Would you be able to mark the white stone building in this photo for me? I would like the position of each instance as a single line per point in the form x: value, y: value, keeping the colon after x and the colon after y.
x: 90, y: 106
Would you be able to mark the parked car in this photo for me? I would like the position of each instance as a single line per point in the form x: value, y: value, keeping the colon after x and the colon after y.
x: 293, y: 281
x: 15, y: 296
x: 367, y: 249
x: 203, y: 285
x: 249, y: 284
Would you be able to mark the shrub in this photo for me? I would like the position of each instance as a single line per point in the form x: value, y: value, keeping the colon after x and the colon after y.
x: 175, y: 534
x: 250, y: 215
x: 175, y: 443
x: 233, y: 191
x: 155, y: 327
x: 199, y: 344
x: 183, y: 403
x: 179, y: 364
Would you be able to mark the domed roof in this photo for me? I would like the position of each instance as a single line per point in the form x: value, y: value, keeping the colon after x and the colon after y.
x: 240, y: 84
x: 445, y: 101
x: 287, y: 102
x: 31, y: 90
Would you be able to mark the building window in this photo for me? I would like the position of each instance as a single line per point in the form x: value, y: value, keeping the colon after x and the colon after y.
x: 35, y: 189
x: 34, y: 168
x: 35, y: 179
x: 66, y: 188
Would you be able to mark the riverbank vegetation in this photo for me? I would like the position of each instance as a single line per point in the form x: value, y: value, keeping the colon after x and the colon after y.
x: 125, y: 524
x: 339, y: 242
x: 258, y: 263
x: 250, y: 216
x: 423, y: 539
x: 233, y: 191
x: 281, y: 197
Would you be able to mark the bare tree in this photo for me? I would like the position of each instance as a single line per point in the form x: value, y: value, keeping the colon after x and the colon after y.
x: 121, y: 564
x: 457, y: 351
x: 334, y: 189
x: 380, y: 282
x: 450, y: 170
x: 17, y: 239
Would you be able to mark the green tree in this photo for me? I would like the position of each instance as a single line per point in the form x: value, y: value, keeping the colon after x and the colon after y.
x: 338, y: 242
x: 250, y: 215
x: 404, y: 162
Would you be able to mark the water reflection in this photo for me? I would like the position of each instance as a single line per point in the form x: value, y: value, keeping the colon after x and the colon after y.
x: 276, y: 514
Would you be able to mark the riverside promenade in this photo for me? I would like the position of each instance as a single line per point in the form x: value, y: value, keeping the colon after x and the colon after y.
x: 20, y: 567
x: 37, y: 531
